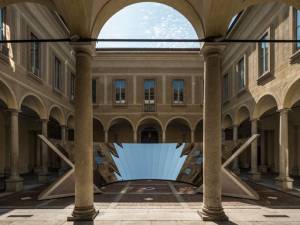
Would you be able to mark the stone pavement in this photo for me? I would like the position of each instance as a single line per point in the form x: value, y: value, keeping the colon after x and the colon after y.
x: 150, y: 203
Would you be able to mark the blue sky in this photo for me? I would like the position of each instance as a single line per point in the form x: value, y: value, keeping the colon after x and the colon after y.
x: 148, y: 21
x: 149, y: 161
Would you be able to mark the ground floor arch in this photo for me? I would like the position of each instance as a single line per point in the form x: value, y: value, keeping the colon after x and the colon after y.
x: 120, y: 130
x: 178, y: 130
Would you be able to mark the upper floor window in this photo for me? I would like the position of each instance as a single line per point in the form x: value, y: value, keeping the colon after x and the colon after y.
x: 94, y: 90
x: 149, y: 88
x: 2, y: 23
x: 120, y: 91
x: 226, y: 87
x: 178, y: 91
x: 298, y: 29
x: 264, y: 48
x: 34, y: 55
x: 241, y: 75
x: 72, y: 87
x: 57, y: 79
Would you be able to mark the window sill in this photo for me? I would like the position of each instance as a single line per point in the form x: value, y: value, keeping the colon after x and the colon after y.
x: 35, y: 77
x: 264, y: 78
x: 295, y: 58
x: 120, y: 104
x: 58, y: 91
x: 225, y: 102
x: 242, y: 91
x: 178, y: 104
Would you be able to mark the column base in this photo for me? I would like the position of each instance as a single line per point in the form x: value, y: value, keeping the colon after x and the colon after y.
x: 255, y: 176
x: 213, y: 214
x: 263, y: 168
x: 84, y: 214
x: 14, y: 184
x: 285, y: 183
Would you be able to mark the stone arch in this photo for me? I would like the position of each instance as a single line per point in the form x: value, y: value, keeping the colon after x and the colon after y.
x: 264, y: 104
x: 70, y: 121
x: 292, y: 95
x: 47, y: 3
x: 120, y: 130
x: 8, y: 96
x: 242, y: 114
x: 151, y: 125
x: 35, y: 103
x: 114, y: 6
x: 57, y: 113
x: 180, y: 132
x: 227, y: 121
x: 98, y: 130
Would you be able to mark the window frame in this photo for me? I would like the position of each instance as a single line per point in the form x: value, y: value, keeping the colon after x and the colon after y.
x: 238, y: 75
x: 115, y: 100
x: 37, y: 73
x: 265, y: 76
x: 174, y: 101
x: 149, y: 93
x: 60, y: 81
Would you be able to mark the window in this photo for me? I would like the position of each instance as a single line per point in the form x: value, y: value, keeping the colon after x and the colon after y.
x: 298, y: 29
x: 2, y: 23
x: 226, y: 87
x: 149, y: 90
x: 57, y: 74
x: 34, y: 56
x: 241, y: 75
x: 178, y: 91
x: 264, y: 48
x: 72, y: 87
x: 120, y: 91
x: 94, y: 90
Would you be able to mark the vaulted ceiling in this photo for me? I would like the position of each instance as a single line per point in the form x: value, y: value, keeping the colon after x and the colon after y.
x: 209, y: 17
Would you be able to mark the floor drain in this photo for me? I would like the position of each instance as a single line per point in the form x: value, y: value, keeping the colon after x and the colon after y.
x: 276, y: 216
x: 22, y: 216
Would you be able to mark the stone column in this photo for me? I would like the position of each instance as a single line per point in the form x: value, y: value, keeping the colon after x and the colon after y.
x: 43, y: 176
x: 163, y: 136
x: 212, y: 209
x: 235, y: 166
x: 135, y: 136
x: 84, y: 185
x: 63, y: 164
x: 15, y: 182
x: 192, y: 136
x: 263, y: 165
x: 106, y: 138
x: 254, y: 169
x: 284, y: 181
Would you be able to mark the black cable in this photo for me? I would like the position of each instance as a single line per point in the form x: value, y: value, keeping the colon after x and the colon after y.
x: 208, y: 40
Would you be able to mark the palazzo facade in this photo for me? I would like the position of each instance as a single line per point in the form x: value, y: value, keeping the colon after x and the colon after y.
x: 149, y: 96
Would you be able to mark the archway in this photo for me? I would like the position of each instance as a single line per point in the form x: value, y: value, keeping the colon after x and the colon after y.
x: 150, y: 130
x: 120, y: 130
x: 178, y: 130
x: 70, y: 128
x: 198, y: 133
x: 98, y: 131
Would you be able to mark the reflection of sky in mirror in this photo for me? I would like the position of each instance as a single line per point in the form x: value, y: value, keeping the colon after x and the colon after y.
x: 148, y: 21
x: 149, y: 161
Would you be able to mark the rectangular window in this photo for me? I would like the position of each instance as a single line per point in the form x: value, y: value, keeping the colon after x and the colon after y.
x: 264, y: 48
x: 2, y: 23
x: 178, y: 91
x: 57, y: 74
x: 34, y: 56
x: 226, y: 87
x: 149, y: 95
x: 72, y: 87
x: 94, y: 90
x: 298, y: 28
x: 120, y: 91
x: 241, y: 74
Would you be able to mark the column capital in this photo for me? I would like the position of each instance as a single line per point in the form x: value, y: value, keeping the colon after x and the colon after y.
x: 44, y: 120
x: 284, y: 110
x: 13, y: 111
x: 253, y: 120
x: 209, y: 49
x: 83, y: 48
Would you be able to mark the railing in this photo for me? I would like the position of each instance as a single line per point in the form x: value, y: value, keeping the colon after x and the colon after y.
x: 149, y: 108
